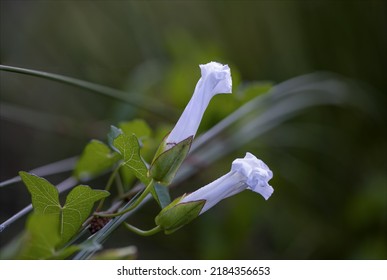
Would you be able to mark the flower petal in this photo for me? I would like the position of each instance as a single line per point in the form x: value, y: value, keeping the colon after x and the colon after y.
x: 256, y: 172
x: 223, y: 187
x: 216, y: 78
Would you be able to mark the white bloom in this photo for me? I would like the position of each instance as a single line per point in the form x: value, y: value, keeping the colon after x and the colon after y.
x: 246, y: 173
x: 216, y: 78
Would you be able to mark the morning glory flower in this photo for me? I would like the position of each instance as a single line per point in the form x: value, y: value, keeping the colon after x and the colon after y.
x: 248, y: 173
x: 215, y: 79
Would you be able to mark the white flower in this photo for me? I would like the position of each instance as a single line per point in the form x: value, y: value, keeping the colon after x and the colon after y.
x: 246, y: 173
x: 216, y: 78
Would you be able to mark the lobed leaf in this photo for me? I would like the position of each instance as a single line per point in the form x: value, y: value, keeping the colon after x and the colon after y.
x: 129, y: 148
x: 143, y: 132
x: 77, y: 208
x: 44, y: 196
x: 69, y: 218
x: 114, y: 132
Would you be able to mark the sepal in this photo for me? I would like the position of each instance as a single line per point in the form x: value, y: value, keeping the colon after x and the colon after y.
x: 167, y: 162
x: 176, y: 214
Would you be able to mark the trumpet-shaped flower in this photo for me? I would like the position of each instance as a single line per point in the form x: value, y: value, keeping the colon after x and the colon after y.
x: 246, y: 173
x: 215, y: 79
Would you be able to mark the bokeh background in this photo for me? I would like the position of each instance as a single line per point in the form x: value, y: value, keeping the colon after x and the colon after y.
x: 329, y: 162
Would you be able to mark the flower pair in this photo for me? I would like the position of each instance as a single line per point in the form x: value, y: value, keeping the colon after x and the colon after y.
x: 246, y: 173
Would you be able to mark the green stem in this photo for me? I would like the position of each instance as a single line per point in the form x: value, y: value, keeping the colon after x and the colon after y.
x: 120, y: 187
x: 151, y: 105
x: 109, y: 185
x: 131, y: 207
x: 142, y: 232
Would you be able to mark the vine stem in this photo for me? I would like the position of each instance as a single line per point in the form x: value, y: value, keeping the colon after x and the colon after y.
x: 150, y: 105
x: 131, y: 207
x: 143, y: 232
x: 109, y: 185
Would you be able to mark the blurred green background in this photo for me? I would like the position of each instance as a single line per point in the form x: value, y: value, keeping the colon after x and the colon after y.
x: 329, y: 163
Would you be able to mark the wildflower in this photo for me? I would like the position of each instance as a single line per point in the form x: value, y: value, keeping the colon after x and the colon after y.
x: 246, y: 173
x: 216, y: 78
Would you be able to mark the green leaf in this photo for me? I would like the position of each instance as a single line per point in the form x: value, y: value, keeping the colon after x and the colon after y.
x: 41, y: 238
x: 129, y: 149
x: 161, y: 195
x: 113, y: 134
x: 143, y: 132
x: 95, y: 159
x: 166, y: 164
x: 45, y: 200
x: 176, y: 215
x: 77, y: 208
x: 45, y: 197
x: 138, y: 127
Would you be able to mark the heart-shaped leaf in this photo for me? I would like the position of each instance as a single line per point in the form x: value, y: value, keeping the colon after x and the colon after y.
x: 129, y: 149
x: 79, y: 203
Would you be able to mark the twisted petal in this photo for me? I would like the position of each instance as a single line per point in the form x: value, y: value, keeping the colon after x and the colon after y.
x: 216, y: 78
x: 257, y: 174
